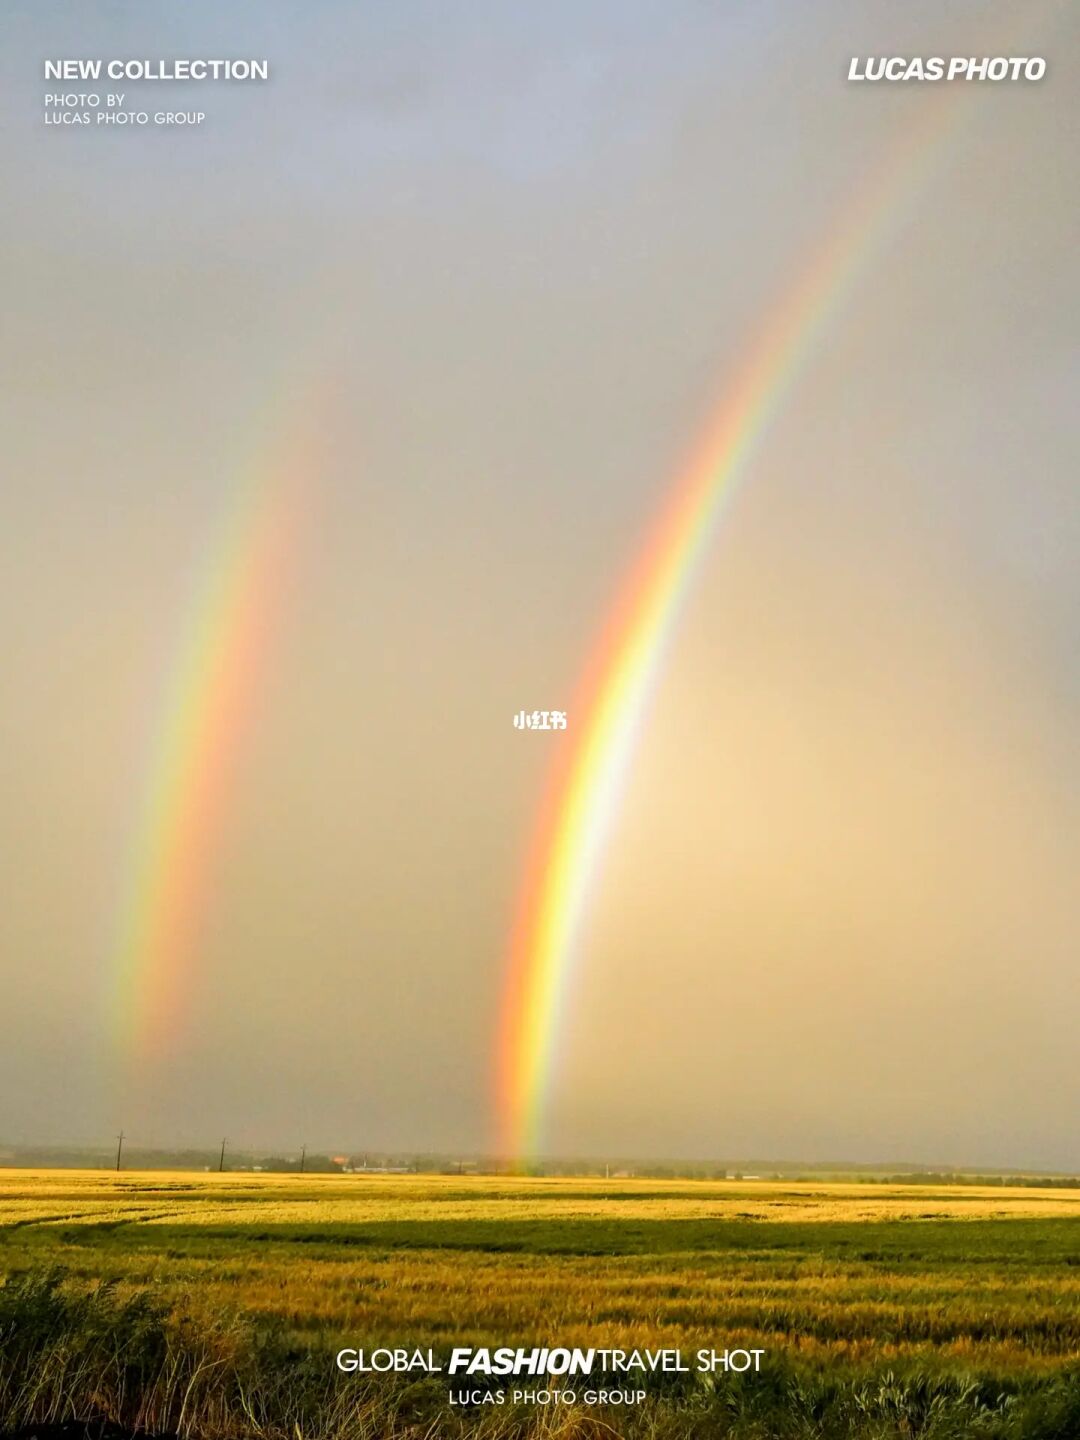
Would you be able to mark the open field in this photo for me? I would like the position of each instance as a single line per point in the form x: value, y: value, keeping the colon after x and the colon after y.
x: 883, y: 1310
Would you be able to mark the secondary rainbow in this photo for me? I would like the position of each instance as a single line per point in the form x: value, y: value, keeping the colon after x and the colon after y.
x: 210, y: 686
x: 588, y: 771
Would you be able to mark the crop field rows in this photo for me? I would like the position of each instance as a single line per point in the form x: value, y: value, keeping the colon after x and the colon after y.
x: 974, y: 1293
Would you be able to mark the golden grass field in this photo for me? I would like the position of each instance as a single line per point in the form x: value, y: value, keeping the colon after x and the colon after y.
x: 185, y: 1196
x: 841, y: 1281
x: 379, y: 1259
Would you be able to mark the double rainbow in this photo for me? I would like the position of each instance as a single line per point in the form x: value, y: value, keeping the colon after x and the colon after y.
x: 588, y: 773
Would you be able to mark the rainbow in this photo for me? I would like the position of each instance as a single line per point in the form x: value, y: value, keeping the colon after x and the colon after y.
x: 591, y: 762
x: 212, y: 680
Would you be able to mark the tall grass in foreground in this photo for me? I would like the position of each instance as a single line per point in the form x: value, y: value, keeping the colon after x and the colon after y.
x: 70, y: 1352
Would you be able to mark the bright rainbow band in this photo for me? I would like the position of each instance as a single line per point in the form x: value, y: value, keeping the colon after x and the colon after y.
x: 589, y: 770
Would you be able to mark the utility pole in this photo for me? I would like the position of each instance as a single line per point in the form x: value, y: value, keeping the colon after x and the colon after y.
x: 119, y: 1147
x: 221, y: 1161
x: 303, y: 1156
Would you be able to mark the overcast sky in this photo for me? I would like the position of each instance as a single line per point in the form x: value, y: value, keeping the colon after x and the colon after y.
x: 508, y: 254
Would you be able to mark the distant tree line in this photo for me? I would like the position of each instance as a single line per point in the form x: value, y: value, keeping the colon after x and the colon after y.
x: 312, y: 1162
